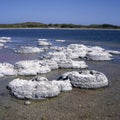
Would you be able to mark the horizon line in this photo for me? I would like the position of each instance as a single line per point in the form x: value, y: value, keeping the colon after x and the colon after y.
x: 61, y: 23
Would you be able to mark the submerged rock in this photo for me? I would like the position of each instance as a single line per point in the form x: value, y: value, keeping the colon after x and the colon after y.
x: 42, y: 39
x: 86, y: 79
x: 60, y: 40
x: 113, y: 52
x: 24, y: 89
x: 5, y: 38
x: 29, y: 49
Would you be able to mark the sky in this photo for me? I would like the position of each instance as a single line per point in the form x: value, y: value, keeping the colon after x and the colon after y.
x: 83, y: 12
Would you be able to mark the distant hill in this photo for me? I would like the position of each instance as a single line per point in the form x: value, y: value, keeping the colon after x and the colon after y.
x: 108, y: 26
x: 42, y: 25
x: 23, y: 25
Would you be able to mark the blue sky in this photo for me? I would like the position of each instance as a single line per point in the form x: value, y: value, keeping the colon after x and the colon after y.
x: 61, y: 11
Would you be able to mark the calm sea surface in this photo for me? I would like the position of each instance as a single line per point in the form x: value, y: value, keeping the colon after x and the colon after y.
x: 105, y: 101
x: 109, y: 39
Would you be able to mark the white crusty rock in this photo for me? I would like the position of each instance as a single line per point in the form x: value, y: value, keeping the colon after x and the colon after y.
x: 77, y: 46
x: 29, y: 49
x: 86, y: 79
x: 34, y: 67
x: 31, y: 67
x: 96, y: 48
x: 68, y: 63
x: 63, y: 85
x: 27, y: 67
x: 52, y: 64
x: 44, y: 42
x: 78, y: 50
x: 5, y: 39
x: 94, y: 53
x: 32, y: 89
x: 99, y: 55
x: 63, y: 61
x: 7, y: 69
x: 74, y: 51
x: 56, y: 56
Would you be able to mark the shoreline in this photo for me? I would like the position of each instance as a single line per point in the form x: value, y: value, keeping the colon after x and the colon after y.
x: 64, y: 28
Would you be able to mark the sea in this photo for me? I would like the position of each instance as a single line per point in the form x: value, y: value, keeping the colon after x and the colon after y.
x: 108, y: 39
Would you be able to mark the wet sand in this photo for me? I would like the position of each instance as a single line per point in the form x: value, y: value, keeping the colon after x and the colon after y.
x: 78, y: 104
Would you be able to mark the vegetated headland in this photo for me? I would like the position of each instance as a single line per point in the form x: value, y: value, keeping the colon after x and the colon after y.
x: 42, y: 25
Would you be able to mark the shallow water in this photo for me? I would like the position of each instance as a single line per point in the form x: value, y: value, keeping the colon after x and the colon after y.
x: 97, y: 104
x: 109, y: 39
x: 76, y: 104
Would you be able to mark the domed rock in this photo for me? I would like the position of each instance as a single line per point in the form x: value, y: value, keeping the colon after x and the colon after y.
x: 102, y: 55
x: 31, y: 67
x: 86, y: 79
x: 98, y: 53
x: 68, y: 63
x: 5, y: 39
x: 38, y: 88
x: 7, y: 69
